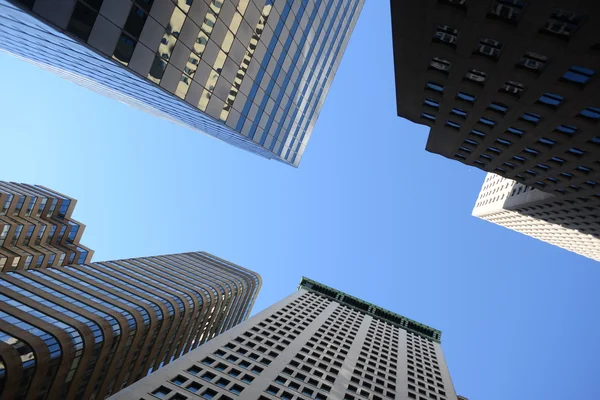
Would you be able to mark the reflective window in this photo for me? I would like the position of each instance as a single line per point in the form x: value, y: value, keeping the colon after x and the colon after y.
x: 435, y: 87
x: 135, y: 22
x: 457, y: 111
x: 578, y: 75
x: 568, y: 129
x: 591, y: 113
x: 487, y: 121
x: 515, y: 131
x: 501, y: 108
x: 453, y: 125
x: 428, y: 116
x: 531, y: 117
x: 551, y: 99
x: 466, y: 97
x: 82, y: 20
x: 431, y: 103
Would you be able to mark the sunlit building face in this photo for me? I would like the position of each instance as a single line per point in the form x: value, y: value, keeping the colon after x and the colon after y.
x: 254, y: 73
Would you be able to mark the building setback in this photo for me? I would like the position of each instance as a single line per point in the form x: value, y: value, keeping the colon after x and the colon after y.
x: 510, y: 87
x: 318, y: 343
x: 84, y: 332
x: 254, y: 73
x: 560, y: 221
x: 36, y: 229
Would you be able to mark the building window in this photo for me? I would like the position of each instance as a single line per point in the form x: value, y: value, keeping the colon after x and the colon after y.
x: 476, y: 76
x: 466, y: 97
x: 431, y: 103
x: 124, y: 49
x: 566, y: 129
x: 478, y: 133
x: 532, y: 118
x: 435, y: 87
x: 504, y: 142
x: 459, y: 112
x: 440, y: 64
x: 428, y: 116
x: 590, y: 113
x: 161, y: 392
x: 576, y: 152
x: 578, y: 75
x: 82, y: 20
x: 562, y: 23
x: 487, y: 121
x: 507, y: 10
x: 499, y: 107
x: 157, y: 69
x: 489, y: 47
x: 514, y: 88
x: 446, y: 34
x: 547, y: 142
x: 551, y: 99
x: 532, y: 61
x: 452, y: 125
x: 135, y: 22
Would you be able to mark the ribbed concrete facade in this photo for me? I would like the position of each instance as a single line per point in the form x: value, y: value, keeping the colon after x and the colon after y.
x: 565, y: 221
x: 316, y: 344
x: 36, y: 229
x: 510, y: 87
x: 84, y: 332
x: 254, y: 73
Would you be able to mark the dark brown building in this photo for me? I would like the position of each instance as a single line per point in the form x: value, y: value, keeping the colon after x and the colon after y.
x: 84, y: 332
x: 36, y: 229
x: 507, y: 86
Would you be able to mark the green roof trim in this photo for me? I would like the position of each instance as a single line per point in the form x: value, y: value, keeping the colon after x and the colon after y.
x: 371, y: 309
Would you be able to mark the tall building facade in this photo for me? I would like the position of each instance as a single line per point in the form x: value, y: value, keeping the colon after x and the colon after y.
x: 36, y: 229
x: 317, y: 344
x: 254, y: 73
x: 84, y: 332
x: 507, y: 86
x: 564, y: 221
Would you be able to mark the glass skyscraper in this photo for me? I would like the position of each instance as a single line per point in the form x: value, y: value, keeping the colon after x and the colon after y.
x: 254, y: 73
x: 86, y: 331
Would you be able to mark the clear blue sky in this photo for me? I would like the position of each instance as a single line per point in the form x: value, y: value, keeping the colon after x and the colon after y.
x: 369, y: 211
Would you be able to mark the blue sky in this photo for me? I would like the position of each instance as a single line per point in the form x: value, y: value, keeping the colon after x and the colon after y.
x: 369, y: 212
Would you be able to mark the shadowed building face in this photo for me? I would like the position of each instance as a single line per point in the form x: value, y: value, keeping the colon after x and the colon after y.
x: 510, y: 87
x: 254, y: 73
x: 87, y: 331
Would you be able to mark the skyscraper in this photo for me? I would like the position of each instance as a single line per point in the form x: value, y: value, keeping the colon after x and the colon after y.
x: 565, y: 221
x: 36, y: 228
x: 318, y: 343
x: 252, y: 73
x: 510, y: 87
x: 84, y: 332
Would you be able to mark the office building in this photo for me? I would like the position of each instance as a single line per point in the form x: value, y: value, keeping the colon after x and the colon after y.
x: 507, y: 86
x: 564, y: 221
x: 36, y: 228
x: 84, y: 332
x: 318, y: 343
x: 252, y: 73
